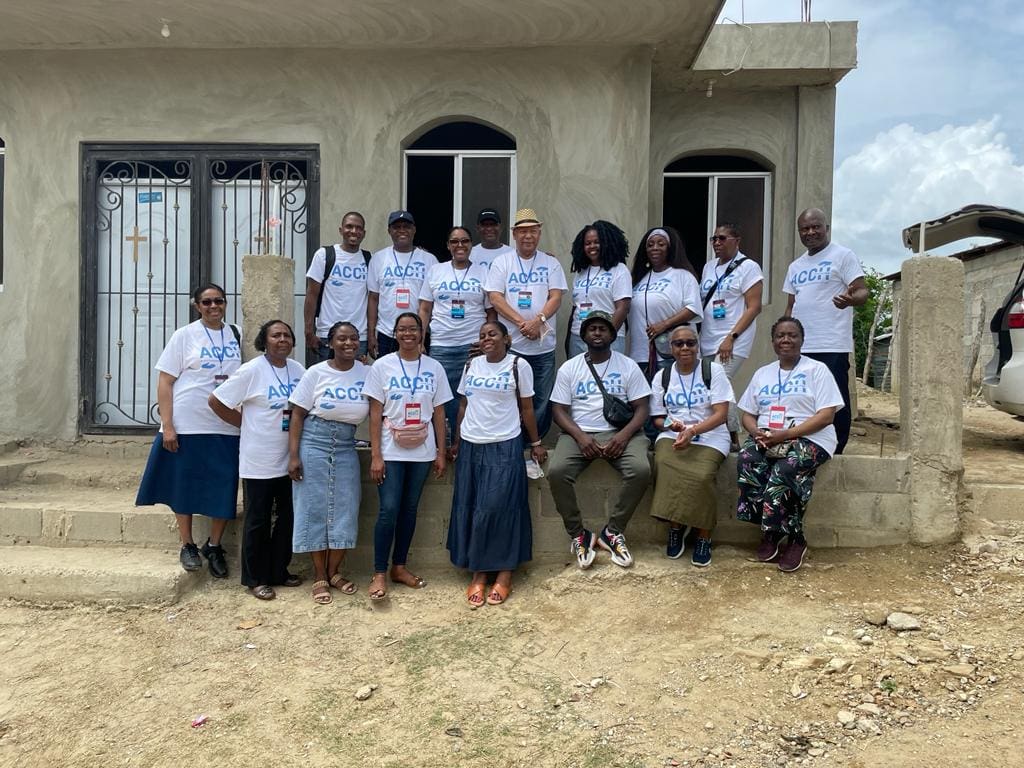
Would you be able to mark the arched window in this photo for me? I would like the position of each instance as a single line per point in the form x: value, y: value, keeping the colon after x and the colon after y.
x: 453, y: 171
x: 702, y: 190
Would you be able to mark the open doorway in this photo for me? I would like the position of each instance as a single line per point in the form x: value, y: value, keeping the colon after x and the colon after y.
x: 451, y: 172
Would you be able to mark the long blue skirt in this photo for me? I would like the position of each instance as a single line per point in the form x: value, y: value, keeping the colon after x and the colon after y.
x: 490, y: 528
x: 201, y: 478
x: 326, y: 500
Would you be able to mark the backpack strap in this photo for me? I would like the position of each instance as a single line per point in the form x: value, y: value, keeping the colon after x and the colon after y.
x: 705, y: 372
x: 236, y: 333
x: 329, y: 258
x: 366, y: 256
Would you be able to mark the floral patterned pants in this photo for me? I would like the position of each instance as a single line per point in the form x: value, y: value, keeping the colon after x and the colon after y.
x: 774, y: 492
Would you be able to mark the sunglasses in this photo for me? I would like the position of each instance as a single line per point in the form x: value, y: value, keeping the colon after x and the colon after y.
x: 213, y: 302
x: 460, y: 241
x: 680, y: 343
x: 716, y: 238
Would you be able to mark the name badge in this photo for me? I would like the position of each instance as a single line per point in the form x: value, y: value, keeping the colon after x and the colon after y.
x: 777, y: 417
x: 458, y: 309
x: 525, y: 300
x: 585, y: 310
x: 218, y: 379
x: 718, y: 309
x: 412, y: 413
x: 286, y: 420
x: 403, y: 297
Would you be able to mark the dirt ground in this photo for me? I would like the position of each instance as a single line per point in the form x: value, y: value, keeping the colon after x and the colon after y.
x: 661, y: 665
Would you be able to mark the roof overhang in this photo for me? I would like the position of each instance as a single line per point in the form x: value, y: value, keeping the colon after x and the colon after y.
x: 970, y: 221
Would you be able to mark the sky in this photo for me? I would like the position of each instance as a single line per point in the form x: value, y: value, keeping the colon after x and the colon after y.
x: 931, y: 120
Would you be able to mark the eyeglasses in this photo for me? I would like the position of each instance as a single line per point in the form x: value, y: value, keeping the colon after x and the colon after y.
x: 460, y: 241
x: 680, y: 343
x: 219, y: 301
x: 716, y: 238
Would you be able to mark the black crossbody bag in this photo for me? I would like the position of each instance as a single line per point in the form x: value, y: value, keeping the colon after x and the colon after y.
x: 616, y: 412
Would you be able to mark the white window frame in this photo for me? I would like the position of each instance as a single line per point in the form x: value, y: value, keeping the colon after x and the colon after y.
x: 459, y: 154
x: 714, y: 176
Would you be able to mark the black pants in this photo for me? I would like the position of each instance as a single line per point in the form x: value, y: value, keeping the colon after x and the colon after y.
x: 839, y: 364
x: 266, y: 536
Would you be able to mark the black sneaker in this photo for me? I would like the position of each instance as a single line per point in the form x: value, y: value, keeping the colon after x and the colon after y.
x: 215, y: 558
x: 615, y: 543
x: 676, y: 542
x: 189, y: 558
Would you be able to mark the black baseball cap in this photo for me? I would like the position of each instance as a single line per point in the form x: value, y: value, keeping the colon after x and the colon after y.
x: 400, y: 216
x: 488, y: 214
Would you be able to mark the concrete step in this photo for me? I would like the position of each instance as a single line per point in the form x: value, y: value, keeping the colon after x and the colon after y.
x: 77, y: 471
x: 13, y: 466
x: 95, y: 575
x: 997, y: 501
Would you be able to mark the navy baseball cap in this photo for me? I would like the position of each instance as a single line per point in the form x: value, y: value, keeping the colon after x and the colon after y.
x: 488, y: 214
x: 395, y: 216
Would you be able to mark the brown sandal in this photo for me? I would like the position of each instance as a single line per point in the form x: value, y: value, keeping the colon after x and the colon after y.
x: 321, y: 593
x: 475, y: 595
x: 342, y: 584
x: 408, y: 579
x: 498, y: 594
x: 379, y: 592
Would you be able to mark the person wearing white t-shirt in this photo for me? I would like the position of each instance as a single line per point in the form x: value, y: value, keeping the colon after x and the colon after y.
x: 689, y: 404
x: 578, y: 404
x: 665, y: 295
x: 261, y: 388
x: 393, y: 281
x: 193, y: 462
x: 490, y: 530
x: 730, y: 291
x: 824, y: 285
x: 602, y: 282
x: 453, y: 304
x: 526, y: 287
x: 788, y: 410
x: 327, y: 406
x: 407, y: 391
x: 340, y: 295
x: 490, y: 247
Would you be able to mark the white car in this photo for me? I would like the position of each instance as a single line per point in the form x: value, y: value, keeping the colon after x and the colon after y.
x: 1003, y: 379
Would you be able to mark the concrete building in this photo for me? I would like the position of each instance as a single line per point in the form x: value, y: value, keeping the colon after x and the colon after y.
x: 147, y: 144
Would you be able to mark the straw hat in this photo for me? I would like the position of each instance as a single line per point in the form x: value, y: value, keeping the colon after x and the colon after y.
x: 526, y: 217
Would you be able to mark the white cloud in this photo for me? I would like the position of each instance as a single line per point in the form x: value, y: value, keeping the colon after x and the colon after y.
x: 904, y: 176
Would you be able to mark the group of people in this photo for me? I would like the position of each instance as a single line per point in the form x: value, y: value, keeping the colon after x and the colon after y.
x: 454, y: 362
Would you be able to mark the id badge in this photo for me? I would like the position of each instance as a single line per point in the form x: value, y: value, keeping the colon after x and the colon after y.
x: 286, y: 419
x: 585, y: 310
x: 718, y: 309
x: 412, y: 413
x: 524, y: 300
x: 458, y: 309
x: 218, y: 379
x: 403, y: 297
x: 777, y: 417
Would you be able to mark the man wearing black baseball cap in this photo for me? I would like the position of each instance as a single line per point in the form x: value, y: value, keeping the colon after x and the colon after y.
x: 488, y: 229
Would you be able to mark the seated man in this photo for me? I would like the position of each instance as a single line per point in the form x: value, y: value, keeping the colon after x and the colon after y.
x: 578, y: 406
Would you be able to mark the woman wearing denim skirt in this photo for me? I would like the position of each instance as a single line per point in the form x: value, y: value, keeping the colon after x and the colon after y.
x: 327, y: 406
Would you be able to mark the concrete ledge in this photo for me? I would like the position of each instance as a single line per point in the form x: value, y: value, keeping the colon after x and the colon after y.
x: 997, y: 501
x: 94, y: 575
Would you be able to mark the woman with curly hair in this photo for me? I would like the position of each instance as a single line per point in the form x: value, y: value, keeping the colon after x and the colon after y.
x: 599, y: 255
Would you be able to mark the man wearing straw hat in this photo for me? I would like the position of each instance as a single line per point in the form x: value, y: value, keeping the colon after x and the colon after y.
x: 525, y: 287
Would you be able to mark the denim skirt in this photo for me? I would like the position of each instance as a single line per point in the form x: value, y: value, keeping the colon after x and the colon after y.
x: 326, y: 500
x: 490, y: 527
x: 200, y: 478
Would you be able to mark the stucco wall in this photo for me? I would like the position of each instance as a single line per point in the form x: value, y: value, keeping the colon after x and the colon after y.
x: 581, y: 121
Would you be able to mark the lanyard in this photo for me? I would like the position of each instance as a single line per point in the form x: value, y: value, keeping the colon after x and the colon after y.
x: 522, y: 269
x: 647, y: 290
x: 220, y: 358
x: 419, y: 362
x: 284, y: 384
x: 460, y: 282
x: 408, y: 262
x: 688, y: 395
x: 783, y: 383
x: 586, y: 291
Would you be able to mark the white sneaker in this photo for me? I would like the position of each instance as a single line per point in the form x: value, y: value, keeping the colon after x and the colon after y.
x: 615, y: 543
x: 533, y: 470
x: 583, y: 547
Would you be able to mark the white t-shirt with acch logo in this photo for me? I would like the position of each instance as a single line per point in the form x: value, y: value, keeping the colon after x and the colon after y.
x: 331, y: 394
x: 598, y: 289
x: 576, y: 387
x: 398, y: 278
x: 657, y: 297
x: 492, y: 413
x: 803, y: 392
x: 344, y: 290
x: 459, y: 302
x: 195, y: 355
x: 815, y: 280
x: 262, y: 392
x: 720, y: 318
x: 486, y: 256
x: 689, y: 402
x: 525, y: 284
x: 396, y: 384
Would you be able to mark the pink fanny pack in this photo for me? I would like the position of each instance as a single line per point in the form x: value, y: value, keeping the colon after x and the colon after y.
x: 408, y: 436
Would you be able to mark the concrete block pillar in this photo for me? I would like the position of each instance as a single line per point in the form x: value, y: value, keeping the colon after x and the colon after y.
x: 266, y: 295
x: 931, y: 366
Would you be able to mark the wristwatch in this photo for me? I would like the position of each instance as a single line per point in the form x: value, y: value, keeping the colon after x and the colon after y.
x: 543, y: 317
x: 734, y: 335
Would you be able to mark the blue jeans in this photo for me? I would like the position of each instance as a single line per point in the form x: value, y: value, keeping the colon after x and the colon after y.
x: 323, y: 352
x: 399, y: 496
x: 453, y: 360
x: 385, y: 345
x: 543, y: 367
